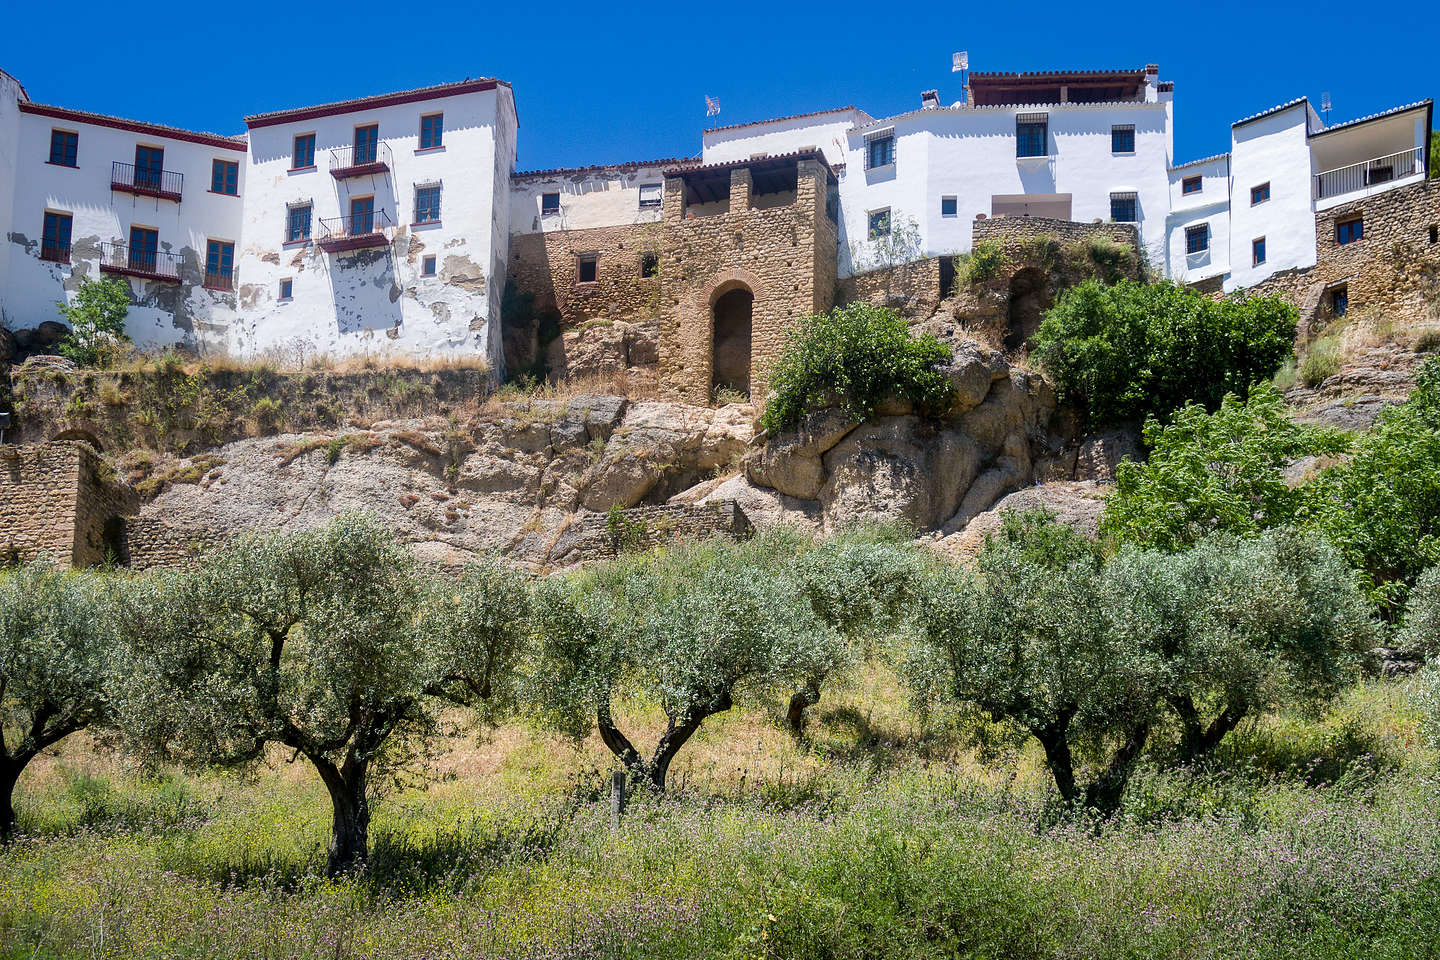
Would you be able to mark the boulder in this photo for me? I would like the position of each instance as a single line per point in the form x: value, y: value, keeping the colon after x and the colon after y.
x: 898, y: 468
x: 1100, y: 454
x: 765, y: 507
x: 790, y: 462
x: 972, y: 368
x: 1078, y: 505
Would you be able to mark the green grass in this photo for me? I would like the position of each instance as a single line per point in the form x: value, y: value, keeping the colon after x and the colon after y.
x: 890, y: 835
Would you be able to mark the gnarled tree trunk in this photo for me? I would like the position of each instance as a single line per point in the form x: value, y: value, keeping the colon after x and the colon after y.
x: 1197, y: 739
x: 800, y: 701
x: 679, y: 728
x: 350, y: 823
x: 9, y: 774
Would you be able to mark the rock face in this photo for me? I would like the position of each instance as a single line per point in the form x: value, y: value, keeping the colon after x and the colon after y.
x: 1076, y: 504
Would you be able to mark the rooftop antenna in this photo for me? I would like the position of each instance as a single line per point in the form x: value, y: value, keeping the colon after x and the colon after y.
x: 1325, y: 107
x: 960, y: 63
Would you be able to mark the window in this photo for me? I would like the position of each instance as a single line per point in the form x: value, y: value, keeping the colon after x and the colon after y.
x: 589, y: 268
x: 427, y: 266
x: 297, y: 223
x: 1197, y: 239
x: 1122, y: 138
x: 144, y: 248
x: 432, y: 131
x: 649, y: 266
x: 880, y: 150
x: 549, y: 204
x: 1123, y: 207
x: 651, y: 194
x: 1191, y: 185
x: 1435, y: 233
x: 362, y: 215
x: 1379, y: 174
x: 1348, y: 231
x: 287, y: 289
x: 879, y: 223
x: 1257, y: 251
x: 219, y: 264
x: 1032, y: 134
x: 948, y: 207
x: 55, y: 241
x: 1259, y: 194
x: 367, y: 144
x: 149, y: 166
x: 1340, y: 300
x: 63, y: 147
x: 304, y: 155
x: 225, y: 177
x: 427, y: 204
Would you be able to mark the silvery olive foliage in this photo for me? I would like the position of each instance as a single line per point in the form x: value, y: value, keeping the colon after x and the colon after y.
x: 1420, y: 631
x: 332, y: 643
x: 692, y: 629
x: 55, y: 661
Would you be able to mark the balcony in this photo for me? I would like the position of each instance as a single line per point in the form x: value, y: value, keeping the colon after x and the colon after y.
x: 1369, y: 173
x: 161, y: 184
x: 145, y: 264
x: 355, y: 232
x: 347, y: 162
x: 54, y: 252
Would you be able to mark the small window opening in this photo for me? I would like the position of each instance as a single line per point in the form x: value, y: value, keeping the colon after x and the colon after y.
x: 427, y: 266
x: 1435, y: 233
x: 1257, y: 251
x: 1348, y: 231
x: 589, y: 268
x: 549, y: 204
x: 287, y: 289
x: 649, y: 266
x: 1191, y: 185
x: 1340, y: 300
x: 949, y: 206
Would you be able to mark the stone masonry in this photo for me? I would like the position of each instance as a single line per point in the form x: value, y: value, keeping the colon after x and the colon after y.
x: 57, y: 499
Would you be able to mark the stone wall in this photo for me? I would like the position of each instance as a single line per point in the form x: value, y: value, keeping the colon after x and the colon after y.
x: 59, y: 499
x: 152, y: 542
x: 783, y: 255
x: 1012, y: 231
x: 915, y: 288
x: 640, y: 528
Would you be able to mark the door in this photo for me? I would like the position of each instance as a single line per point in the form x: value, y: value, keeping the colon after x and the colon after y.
x: 367, y: 140
x: 362, y: 216
x: 149, y: 162
x: 144, y: 248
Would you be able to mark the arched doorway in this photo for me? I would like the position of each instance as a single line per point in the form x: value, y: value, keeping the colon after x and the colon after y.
x: 1029, y: 299
x: 730, y: 356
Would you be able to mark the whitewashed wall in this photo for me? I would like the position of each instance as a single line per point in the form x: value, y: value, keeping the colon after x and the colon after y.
x: 599, y: 197
x: 11, y: 93
x: 1211, y: 206
x: 1273, y: 149
x: 376, y: 300
x: 161, y: 314
x: 825, y: 131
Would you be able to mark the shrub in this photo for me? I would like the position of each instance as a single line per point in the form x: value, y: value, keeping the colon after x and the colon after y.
x: 1421, y: 631
x: 1321, y: 361
x: 857, y: 355
x: 1428, y: 341
x: 984, y: 262
x: 96, y: 316
x: 1208, y: 472
x: 1134, y: 350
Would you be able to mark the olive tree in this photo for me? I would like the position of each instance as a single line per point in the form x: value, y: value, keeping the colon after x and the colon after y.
x: 692, y: 629
x: 332, y: 643
x: 1420, y: 632
x: 54, y: 665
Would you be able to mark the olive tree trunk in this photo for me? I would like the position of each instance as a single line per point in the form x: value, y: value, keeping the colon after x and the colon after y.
x: 800, y: 701
x: 1104, y: 794
x: 679, y: 728
x: 350, y: 822
x: 9, y: 774
x: 1198, y: 740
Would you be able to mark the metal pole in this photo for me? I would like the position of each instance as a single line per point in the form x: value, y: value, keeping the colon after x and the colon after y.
x: 617, y: 798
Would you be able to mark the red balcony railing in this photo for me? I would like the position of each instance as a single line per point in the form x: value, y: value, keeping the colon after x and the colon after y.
x: 146, y: 264
x: 355, y: 232
x: 362, y: 161
x: 54, y: 252
x: 164, y: 184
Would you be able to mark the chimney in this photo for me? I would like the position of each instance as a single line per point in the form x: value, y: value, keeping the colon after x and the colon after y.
x: 929, y: 99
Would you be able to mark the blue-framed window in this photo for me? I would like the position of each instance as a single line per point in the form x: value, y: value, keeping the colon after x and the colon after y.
x: 1124, y: 208
x: 367, y: 143
x: 1197, y: 239
x: 55, y: 241
x: 1122, y: 138
x: 549, y: 204
x: 879, y: 225
x: 879, y: 151
x: 287, y: 289
x: 1191, y: 185
x: 219, y: 262
x: 948, y: 207
x: 144, y: 248
x: 149, y: 166
x: 1349, y: 231
x: 225, y: 177
x: 1032, y: 134
x: 362, y: 215
x: 1257, y: 251
x: 427, y: 204
x: 297, y: 223
x: 64, y: 146
x: 427, y: 266
x: 432, y: 130
x: 1260, y: 194
x: 304, y: 152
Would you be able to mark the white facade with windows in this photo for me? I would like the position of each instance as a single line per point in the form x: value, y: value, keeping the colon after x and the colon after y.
x: 542, y: 201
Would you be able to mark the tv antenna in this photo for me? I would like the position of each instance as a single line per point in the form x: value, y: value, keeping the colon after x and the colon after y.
x: 1325, y: 107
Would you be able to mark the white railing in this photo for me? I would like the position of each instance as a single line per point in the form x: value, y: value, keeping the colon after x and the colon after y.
x: 1369, y: 173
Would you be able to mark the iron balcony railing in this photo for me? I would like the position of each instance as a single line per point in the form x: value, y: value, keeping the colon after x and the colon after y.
x: 1369, y: 173
x: 55, y: 252
x: 368, y: 229
x: 165, y: 184
x: 220, y: 279
x: 358, y: 161
x: 148, y: 264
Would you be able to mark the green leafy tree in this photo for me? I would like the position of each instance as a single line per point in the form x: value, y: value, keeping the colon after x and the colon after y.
x: 692, y: 629
x: 1435, y: 154
x: 329, y: 643
x: 854, y: 356
x: 1207, y: 472
x: 1420, y: 631
x: 1381, y: 507
x: 1135, y: 350
x: 96, y: 315
x: 55, y: 661
x: 1031, y: 638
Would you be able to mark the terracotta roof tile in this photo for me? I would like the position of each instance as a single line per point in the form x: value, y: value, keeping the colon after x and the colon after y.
x: 378, y: 100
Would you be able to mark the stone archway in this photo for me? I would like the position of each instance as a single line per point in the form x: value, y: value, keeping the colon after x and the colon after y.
x: 732, y: 314
x: 1029, y: 299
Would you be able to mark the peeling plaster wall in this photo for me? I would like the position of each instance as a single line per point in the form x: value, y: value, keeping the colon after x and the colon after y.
x: 604, y: 197
x: 377, y: 300
x: 161, y: 314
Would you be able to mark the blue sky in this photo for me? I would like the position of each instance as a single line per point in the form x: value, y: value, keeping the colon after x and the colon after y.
x: 602, y: 82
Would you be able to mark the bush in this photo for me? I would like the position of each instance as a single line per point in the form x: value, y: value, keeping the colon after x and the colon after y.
x: 1322, y: 361
x: 1136, y: 350
x: 1421, y: 631
x: 96, y: 317
x: 984, y: 262
x: 856, y: 355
